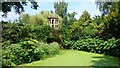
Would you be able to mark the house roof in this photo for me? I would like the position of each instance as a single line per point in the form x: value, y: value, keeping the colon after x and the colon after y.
x: 53, y: 16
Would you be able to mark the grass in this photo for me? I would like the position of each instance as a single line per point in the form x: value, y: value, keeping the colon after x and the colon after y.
x: 77, y: 58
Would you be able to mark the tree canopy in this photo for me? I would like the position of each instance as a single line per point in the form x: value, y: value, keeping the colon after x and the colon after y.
x: 38, y: 19
x: 61, y: 8
x: 17, y: 6
x: 107, y: 7
x: 111, y: 18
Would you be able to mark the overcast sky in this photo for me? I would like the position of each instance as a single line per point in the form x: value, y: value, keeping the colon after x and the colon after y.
x: 77, y: 6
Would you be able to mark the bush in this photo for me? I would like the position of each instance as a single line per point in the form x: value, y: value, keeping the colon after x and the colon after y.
x: 112, y: 47
x: 68, y: 44
x: 14, y: 32
x: 28, y: 51
x: 48, y: 50
x: 41, y: 32
x: 109, y: 47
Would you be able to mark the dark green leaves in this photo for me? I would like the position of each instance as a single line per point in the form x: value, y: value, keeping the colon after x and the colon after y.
x: 109, y: 47
x: 18, y: 6
x: 27, y: 51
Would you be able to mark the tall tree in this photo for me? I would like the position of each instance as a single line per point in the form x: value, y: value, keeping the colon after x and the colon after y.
x: 84, y: 26
x: 107, y: 7
x: 85, y: 18
x: 18, y: 6
x: 71, y: 18
x: 61, y: 8
x: 38, y: 19
x: 24, y: 18
x: 110, y: 12
x: 87, y: 24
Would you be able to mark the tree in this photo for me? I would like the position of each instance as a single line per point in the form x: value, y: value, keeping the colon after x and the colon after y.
x: 98, y: 20
x: 107, y: 7
x: 112, y: 23
x: 24, y: 18
x: 111, y: 18
x: 85, y: 16
x: 85, y: 19
x: 18, y: 6
x: 76, y: 31
x: 38, y: 19
x: 84, y: 26
x: 71, y: 18
x: 61, y: 8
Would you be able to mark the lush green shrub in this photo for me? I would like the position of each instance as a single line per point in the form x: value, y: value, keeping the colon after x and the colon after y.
x: 17, y: 32
x: 48, y: 50
x: 68, y: 44
x: 14, y: 32
x: 109, y: 47
x: 90, y: 45
x: 65, y: 33
x: 41, y: 32
x: 27, y: 51
x: 112, y: 47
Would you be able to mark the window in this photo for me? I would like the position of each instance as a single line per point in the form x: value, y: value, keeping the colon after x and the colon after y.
x: 52, y: 21
x: 56, y: 21
x: 52, y: 26
x: 56, y: 26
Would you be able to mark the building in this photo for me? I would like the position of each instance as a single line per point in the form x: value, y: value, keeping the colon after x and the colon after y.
x: 53, y: 21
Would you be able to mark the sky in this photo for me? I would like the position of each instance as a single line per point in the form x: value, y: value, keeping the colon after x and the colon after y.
x: 77, y: 6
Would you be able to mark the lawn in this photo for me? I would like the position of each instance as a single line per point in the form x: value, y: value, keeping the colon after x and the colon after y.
x: 77, y: 58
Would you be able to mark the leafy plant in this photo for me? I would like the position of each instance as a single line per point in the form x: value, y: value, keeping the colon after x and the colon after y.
x: 14, y: 32
x: 28, y: 51
x: 41, y: 32
x: 109, y: 47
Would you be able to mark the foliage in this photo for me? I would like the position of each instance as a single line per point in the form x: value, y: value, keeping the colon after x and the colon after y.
x: 85, y: 16
x: 33, y: 20
x: 110, y: 13
x: 14, y: 32
x: 85, y: 26
x: 18, y: 6
x: 38, y: 19
x: 61, y: 8
x: 28, y: 51
x: 24, y: 18
x: 65, y: 33
x: 112, y: 23
x: 69, y: 19
x: 100, y: 25
x: 76, y: 31
x: 107, y: 7
x: 109, y: 26
x: 109, y: 47
x: 41, y: 32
